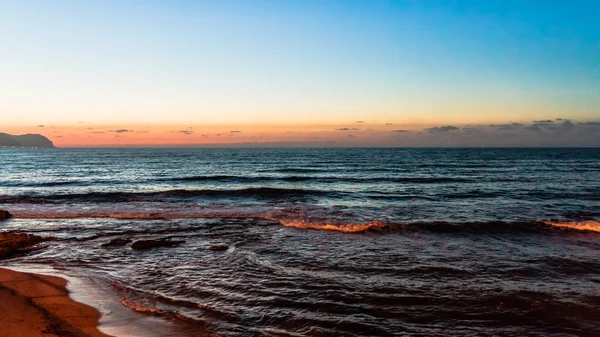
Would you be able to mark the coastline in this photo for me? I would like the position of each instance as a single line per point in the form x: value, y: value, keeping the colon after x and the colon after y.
x: 38, y: 300
x: 39, y: 305
x: 114, y: 319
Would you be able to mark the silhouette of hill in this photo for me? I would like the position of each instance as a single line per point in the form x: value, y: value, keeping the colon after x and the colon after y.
x: 28, y: 140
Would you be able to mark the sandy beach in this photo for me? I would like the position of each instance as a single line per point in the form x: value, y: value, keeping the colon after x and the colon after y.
x: 39, y: 305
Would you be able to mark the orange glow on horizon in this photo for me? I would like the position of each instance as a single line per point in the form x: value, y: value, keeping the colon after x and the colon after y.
x: 88, y: 135
x: 358, y: 133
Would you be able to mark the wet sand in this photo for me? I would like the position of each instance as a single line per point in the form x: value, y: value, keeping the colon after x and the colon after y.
x: 39, y: 305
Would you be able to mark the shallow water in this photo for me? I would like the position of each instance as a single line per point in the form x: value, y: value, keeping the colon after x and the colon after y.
x: 326, y: 242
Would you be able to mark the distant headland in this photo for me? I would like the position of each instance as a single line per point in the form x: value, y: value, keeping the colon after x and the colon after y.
x: 29, y: 140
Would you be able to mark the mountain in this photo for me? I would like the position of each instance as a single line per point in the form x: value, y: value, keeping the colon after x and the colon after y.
x: 28, y: 140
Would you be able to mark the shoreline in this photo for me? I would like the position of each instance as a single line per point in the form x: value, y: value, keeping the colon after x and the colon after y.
x: 114, y: 319
x: 40, y: 305
x: 39, y: 300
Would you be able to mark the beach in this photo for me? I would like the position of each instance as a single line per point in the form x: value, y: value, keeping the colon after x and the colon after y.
x: 39, y: 305
x: 39, y: 300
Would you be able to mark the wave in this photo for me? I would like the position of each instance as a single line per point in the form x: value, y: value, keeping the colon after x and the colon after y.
x: 591, y: 194
x: 475, y: 194
x: 336, y: 179
x: 94, y: 197
x: 501, y: 227
x: 333, y: 224
x: 298, y: 224
x: 486, y: 227
x: 134, y: 216
x: 294, y: 170
x: 589, y: 225
x: 139, y: 308
x: 145, y: 302
x: 73, y: 182
x: 344, y: 228
x: 42, y: 184
x: 163, y: 313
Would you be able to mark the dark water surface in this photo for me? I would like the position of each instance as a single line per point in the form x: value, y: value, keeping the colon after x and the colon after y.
x: 326, y: 242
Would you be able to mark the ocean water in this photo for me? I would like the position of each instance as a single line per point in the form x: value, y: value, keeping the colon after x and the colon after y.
x: 325, y: 242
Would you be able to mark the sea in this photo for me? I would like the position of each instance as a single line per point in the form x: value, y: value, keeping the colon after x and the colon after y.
x: 324, y: 242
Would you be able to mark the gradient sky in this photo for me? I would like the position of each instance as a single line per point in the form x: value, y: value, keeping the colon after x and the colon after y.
x: 297, y: 70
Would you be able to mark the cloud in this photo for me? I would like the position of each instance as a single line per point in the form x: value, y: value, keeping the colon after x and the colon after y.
x: 41, y: 126
x: 566, y: 125
x: 98, y: 132
x: 347, y: 129
x: 120, y: 131
x: 218, y: 135
x: 235, y: 131
x: 508, y: 127
x: 534, y: 127
x: 400, y: 130
x: 539, y: 133
x: 446, y: 128
x: 350, y: 136
x: 185, y: 132
x: 471, y: 130
x: 388, y: 123
x: 360, y: 122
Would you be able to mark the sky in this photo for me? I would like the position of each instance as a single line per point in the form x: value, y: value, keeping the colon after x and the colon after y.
x: 312, y: 72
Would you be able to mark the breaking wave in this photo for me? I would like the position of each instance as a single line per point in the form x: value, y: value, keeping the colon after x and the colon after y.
x: 589, y: 225
x: 344, y: 225
x: 344, y: 228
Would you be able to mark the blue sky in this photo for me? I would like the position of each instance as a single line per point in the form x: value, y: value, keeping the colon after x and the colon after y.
x: 429, y: 62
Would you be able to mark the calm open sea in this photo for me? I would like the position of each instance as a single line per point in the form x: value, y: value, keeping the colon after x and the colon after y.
x: 326, y: 242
